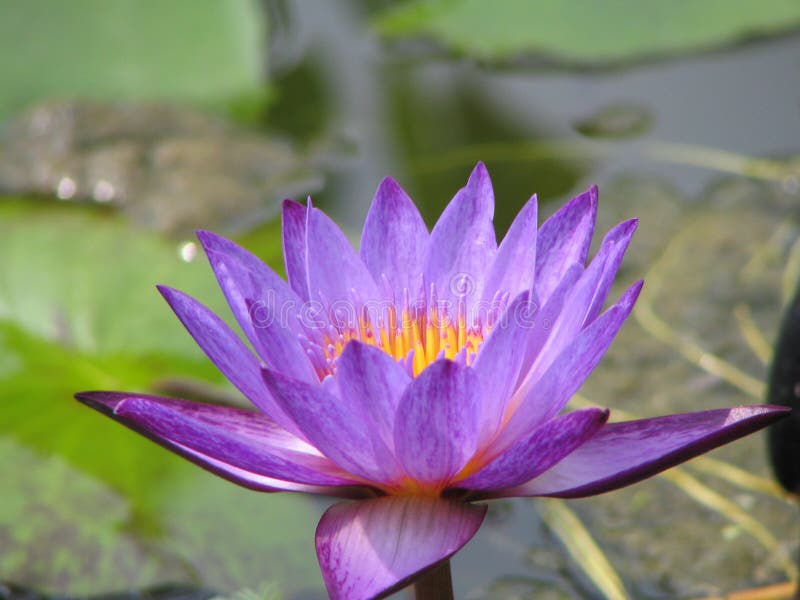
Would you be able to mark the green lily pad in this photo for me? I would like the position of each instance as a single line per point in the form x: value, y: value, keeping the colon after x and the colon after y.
x: 78, y: 311
x: 584, y: 32
x: 192, y: 50
x: 64, y: 532
x: 87, y: 281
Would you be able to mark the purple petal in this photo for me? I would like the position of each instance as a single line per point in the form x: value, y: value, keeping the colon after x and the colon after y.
x: 585, y: 299
x: 372, y: 381
x: 227, y: 352
x: 564, y: 240
x: 336, y: 274
x: 513, y: 268
x: 340, y: 427
x: 624, y: 453
x: 295, y: 252
x: 610, y: 255
x: 243, y: 446
x: 545, y: 398
x: 438, y: 421
x: 462, y: 244
x: 394, y: 239
x: 498, y: 364
x: 371, y: 548
x: 539, y: 451
x: 265, y: 307
x: 548, y: 315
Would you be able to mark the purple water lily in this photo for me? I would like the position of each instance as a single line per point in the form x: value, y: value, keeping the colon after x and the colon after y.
x: 418, y: 377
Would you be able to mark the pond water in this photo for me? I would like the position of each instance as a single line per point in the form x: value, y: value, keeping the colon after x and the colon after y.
x: 702, y: 148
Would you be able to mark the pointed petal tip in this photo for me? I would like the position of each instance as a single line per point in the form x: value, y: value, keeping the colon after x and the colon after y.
x: 105, y: 402
x: 389, y: 182
x: 479, y: 175
x: 206, y: 237
x: 289, y: 204
x: 632, y: 293
x: 170, y: 294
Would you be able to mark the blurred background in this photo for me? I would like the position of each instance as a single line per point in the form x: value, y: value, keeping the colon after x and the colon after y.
x: 127, y: 124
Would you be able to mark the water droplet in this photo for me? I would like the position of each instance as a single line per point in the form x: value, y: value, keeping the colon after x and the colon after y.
x: 103, y: 191
x: 188, y: 251
x: 66, y: 188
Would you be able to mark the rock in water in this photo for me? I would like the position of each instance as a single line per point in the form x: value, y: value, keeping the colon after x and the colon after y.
x: 169, y: 168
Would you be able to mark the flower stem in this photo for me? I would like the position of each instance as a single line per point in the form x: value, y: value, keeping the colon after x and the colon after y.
x: 437, y: 584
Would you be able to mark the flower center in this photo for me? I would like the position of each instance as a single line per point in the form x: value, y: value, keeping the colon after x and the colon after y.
x: 415, y: 336
x: 415, y: 340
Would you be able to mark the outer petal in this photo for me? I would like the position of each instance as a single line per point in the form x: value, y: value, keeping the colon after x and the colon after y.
x: 564, y: 240
x: 295, y: 251
x: 243, y: 446
x: 438, y: 421
x: 513, y: 268
x: 226, y: 351
x: 624, y: 453
x: 336, y: 274
x: 539, y: 451
x: 374, y: 382
x: 372, y: 548
x: 547, y: 397
x: 462, y: 244
x: 340, y: 427
x: 394, y: 239
x: 264, y: 305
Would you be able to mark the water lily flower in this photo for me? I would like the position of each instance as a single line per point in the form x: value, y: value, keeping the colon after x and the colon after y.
x: 417, y: 377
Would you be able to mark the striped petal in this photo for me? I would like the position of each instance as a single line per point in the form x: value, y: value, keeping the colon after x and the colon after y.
x: 542, y: 400
x: 513, y: 269
x: 564, y: 240
x: 539, y: 451
x: 462, y: 244
x: 438, y: 421
x: 227, y: 352
x: 340, y: 427
x: 624, y: 453
x: 243, y: 446
x: 295, y: 251
x: 263, y: 304
x: 394, y: 239
x: 372, y: 548
x: 336, y: 274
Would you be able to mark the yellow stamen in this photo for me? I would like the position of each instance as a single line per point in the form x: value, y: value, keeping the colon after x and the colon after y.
x: 421, y: 336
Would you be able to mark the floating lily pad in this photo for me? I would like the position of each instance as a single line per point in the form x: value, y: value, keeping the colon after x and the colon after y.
x: 190, y: 50
x: 575, y: 32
